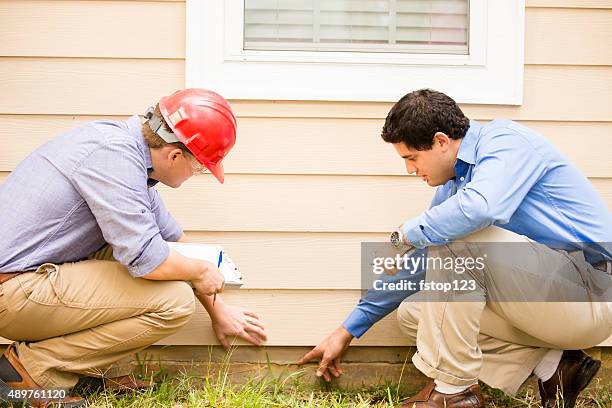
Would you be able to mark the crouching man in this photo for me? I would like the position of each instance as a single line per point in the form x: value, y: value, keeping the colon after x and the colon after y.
x: 507, y: 195
x: 86, y: 275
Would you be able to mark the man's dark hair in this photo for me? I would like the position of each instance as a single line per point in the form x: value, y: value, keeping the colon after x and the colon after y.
x: 417, y: 117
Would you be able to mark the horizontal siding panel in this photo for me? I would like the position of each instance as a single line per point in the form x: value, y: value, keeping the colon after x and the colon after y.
x: 123, y: 87
x: 92, y: 29
x: 288, y: 318
x: 570, y: 3
x: 568, y: 36
x: 326, y: 145
x: 86, y: 86
x: 270, y: 260
x: 304, y: 203
x: 298, y: 203
x: 57, y: 29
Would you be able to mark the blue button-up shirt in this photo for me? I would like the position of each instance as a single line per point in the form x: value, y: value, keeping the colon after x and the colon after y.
x: 87, y: 187
x: 509, y: 176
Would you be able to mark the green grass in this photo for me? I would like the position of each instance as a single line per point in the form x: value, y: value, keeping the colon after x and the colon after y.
x: 290, y: 389
x: 192, y: 391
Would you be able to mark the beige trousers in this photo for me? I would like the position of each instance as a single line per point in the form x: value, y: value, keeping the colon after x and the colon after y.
x: 461, y: 340
x: 79, y: 318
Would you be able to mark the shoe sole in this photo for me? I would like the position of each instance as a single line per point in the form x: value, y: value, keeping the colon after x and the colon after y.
x: 588, y: 370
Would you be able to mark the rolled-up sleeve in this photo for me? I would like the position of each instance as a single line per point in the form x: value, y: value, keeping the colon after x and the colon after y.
x: 113, y: 182
x: 169, y: 228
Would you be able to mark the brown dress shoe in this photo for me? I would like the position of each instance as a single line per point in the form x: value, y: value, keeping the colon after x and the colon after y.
x: 430, y: 398
x: 575, y: 371
x: 14, y: 376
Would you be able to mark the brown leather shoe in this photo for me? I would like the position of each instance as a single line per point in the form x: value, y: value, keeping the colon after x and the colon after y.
x: 430, y: 398
x: 575, y: 371
x: 14, y: 376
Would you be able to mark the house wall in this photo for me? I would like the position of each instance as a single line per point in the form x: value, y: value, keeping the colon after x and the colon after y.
x: 307, y: 181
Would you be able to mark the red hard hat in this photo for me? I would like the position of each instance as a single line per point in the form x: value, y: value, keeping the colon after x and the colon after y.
x: 204, y: 122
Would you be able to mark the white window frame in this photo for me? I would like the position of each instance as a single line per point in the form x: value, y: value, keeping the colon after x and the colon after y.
x: 491, y: 73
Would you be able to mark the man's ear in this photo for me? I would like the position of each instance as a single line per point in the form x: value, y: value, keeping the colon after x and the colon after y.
x: 174, y: 154
x: 442, y: 140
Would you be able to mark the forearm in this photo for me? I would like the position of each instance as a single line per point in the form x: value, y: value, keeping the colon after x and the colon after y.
x: 207, y: 302
x: 379, y: 302
x: 178, y: 267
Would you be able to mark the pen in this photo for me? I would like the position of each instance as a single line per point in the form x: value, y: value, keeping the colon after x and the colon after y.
x: 218, y: 265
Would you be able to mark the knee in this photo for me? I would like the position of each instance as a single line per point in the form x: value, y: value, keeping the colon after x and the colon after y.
x: 180, y: 304
x: 408, y: 319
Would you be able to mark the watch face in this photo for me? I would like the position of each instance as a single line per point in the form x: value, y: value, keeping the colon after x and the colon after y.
x: 395, y: 239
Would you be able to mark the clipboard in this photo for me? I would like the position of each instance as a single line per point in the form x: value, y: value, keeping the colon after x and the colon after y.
x: 213, y: 254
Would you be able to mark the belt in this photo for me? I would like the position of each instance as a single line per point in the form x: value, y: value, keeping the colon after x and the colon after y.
x: 7, y: 276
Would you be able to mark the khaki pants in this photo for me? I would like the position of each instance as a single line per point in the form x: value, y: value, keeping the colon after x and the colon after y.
x: 462, y: 340
x: 79, y: 318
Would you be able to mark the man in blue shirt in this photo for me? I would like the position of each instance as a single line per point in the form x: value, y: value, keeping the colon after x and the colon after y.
x: 71, y: 316
x: 548, y: 235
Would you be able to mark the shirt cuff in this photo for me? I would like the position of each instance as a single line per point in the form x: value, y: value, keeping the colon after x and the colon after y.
x: 153, y: 254
x: 172, y: 232
x: 357, y: 323
x: 414, y: 232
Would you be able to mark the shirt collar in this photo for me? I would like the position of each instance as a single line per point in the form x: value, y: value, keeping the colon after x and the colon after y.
x: 135, y: 128
x: 467, y: 148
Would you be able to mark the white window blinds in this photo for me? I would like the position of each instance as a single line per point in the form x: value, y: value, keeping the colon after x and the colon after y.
x: 410, y: 26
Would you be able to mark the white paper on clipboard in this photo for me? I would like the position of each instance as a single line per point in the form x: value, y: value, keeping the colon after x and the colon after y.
x: 212, y: 254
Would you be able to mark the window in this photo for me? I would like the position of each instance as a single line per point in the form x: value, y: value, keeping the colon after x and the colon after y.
x: 357, y: 50
x: 408, y: 26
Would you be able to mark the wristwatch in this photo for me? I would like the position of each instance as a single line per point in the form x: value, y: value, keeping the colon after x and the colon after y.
x: 398, y: 240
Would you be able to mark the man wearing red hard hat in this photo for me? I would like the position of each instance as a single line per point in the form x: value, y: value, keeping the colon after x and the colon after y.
x: 86, y: 274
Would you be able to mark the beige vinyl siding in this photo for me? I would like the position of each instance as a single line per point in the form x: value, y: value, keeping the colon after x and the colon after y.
x: 308, y: 181
x: 351, y: 136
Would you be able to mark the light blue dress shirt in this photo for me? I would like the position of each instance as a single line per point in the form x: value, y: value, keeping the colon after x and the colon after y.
x: 509, y: 176
x: 85, y: 188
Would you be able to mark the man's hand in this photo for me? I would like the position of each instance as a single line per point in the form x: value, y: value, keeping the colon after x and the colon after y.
x: 330, y: 352
x: 233, y: 321
x: 210, y: 282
